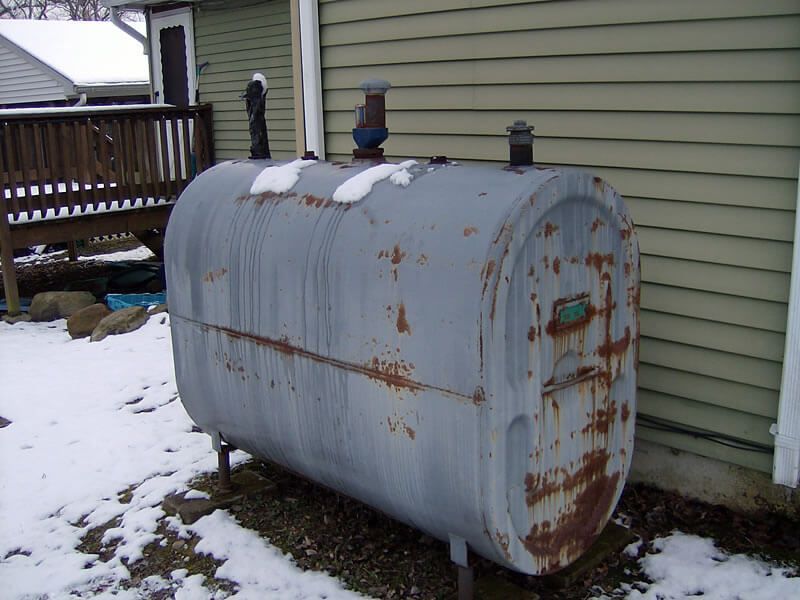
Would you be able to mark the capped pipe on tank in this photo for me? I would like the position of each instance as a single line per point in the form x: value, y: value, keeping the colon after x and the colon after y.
x: 370, y: 130
x: 520, y: 142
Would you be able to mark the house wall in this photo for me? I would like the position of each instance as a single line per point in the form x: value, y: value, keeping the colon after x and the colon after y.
x: 237, y: 42
x: 24, y: 83
x: 690, y: 109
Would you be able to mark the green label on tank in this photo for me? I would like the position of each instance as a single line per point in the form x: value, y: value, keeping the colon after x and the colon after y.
x: 570, y: 313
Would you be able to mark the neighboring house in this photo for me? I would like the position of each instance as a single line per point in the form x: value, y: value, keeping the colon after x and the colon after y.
x: 54, y: 63
x: 691, y: 109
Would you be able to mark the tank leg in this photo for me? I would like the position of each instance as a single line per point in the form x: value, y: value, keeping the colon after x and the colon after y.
x: 224, y: 484
x: 466, y: 588
x: 459, y: 554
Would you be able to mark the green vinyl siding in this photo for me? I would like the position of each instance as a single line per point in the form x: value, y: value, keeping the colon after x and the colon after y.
x: 690, y: 109
x: 237, y: 42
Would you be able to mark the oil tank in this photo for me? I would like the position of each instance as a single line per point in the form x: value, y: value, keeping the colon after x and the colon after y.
x: 459, y: 351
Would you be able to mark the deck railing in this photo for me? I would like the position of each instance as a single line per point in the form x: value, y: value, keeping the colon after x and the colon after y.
x: 98, y: 155
x: 69, y: 174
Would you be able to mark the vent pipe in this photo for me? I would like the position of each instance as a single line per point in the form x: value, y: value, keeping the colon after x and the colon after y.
x: 370, y: 130
x: 255, y: 102
x: 520, y: 142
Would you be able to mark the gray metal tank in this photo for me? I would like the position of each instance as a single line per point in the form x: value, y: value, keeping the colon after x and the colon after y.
x: 460, y: 353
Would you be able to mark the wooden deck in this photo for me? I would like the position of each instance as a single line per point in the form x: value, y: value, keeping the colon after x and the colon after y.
x: 71, y: 174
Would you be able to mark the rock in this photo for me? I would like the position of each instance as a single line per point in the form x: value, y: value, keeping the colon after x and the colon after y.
x: 157, y: 309
x: 121, y: 321
x: 20, y: 318
x: 49, y: 306
x: 83, y: 322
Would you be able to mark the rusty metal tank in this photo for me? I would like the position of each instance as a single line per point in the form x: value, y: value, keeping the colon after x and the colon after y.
x: 460, y: 353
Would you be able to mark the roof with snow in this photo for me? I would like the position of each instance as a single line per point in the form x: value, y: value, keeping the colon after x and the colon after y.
x: 78, y: 54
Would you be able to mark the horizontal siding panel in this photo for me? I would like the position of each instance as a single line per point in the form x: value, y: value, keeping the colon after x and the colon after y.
x: 676, y: 36
x: 744, y: 97
x: 729, y: 65
x: 722, y: 308
x: 234, y: 17
x: 231, y: 102
x: 236, y: 74
x: 712, y: 363
x: 736, y: 128
x: 701, y: 158
x: 759, y: 192
x: 263, y: 56
x: 737, y: 424
x: 758, y: 223
x: 256, y: 29
x: 736, y: 396
x: 720, y: 249
x: 724, y: 337
x: 243, y: 45
x: 277, y: 85
x: 234, y: 117
x: 554, y: 13
x: 280, y: 60
x: 722, y: 279
x: 751, y: 460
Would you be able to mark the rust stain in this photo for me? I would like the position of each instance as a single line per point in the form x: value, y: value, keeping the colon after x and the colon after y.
x: 627, y: 268
x: 580, y: 523
x: 402, y: 322
x: 610, y: 348
x: 468, y: 231
x: 598, y: 184
x: 530, y: 375
x: 422, y: 260
x: 550, y: 229
x: 397, y: 255
x: 382, y: 254
x: 389, y: 374
x: 410, y: 432
x: 502, y: 540
x: 478, y: 396
x: 312, y: 200
x: 546, y: 260
x: 604, y: 418
x: 488, y: 270
x: 212, y: 275
x: 556, y: 265
x: 597, y: 260
x: 597, y: 223
x: 626, y: 412
x: 531, y: 333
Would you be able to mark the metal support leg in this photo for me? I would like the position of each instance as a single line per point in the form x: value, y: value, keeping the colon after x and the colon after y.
x: 459, y: 554
x: 466, y: 588
x: 224, y: 484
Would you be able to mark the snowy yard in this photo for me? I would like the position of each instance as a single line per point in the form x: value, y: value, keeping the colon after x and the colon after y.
x: 97, y: 435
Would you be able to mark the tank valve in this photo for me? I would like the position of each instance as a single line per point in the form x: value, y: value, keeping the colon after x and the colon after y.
x: 370, y: 130
x: 520, y: 142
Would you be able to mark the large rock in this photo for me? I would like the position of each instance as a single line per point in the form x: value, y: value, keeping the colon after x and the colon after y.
x: 83, y: 322
x: 49, y: 306
x: 121, y: 321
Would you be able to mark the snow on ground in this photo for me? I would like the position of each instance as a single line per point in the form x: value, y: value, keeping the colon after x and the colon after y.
x: 688, y: 566
x: 90, y: 421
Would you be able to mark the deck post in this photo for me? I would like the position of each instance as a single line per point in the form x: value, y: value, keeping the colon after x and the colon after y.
x: 7, y: 256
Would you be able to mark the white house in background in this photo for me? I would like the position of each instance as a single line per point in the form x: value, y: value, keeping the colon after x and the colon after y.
x: 54, y: 63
